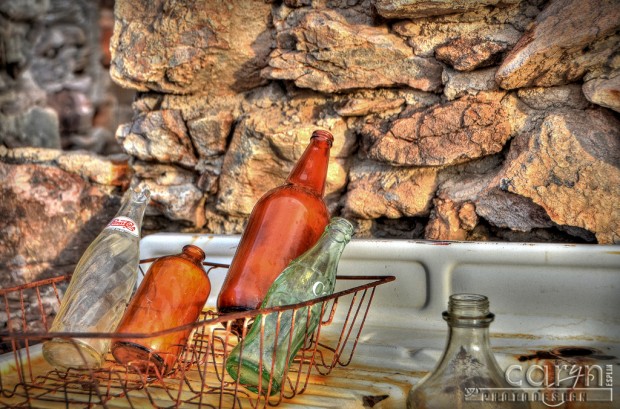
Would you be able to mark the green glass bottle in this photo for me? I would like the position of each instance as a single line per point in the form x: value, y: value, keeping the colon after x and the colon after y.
x: 311, y: 275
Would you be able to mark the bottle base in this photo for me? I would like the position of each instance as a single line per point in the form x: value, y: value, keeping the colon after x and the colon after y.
x: 71, y: 353
x: 140, y: 357
x: 247, y: 374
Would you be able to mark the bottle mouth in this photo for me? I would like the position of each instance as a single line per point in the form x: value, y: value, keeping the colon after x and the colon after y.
x: 195, y: 250
x: 141, y: 193
x: 323, y: 135
x: 342, y: 226
x: 469, y: 308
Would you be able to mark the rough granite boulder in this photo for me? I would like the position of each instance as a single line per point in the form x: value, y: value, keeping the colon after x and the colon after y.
x: 412, y: 9
x: 174, y: 193
x: 444, y: 134
x: 383, y: 102
x: 158, y: 136
x: 467, y: 40
x: 468, y: 54
x: 568, y: 38
x: 571, y: 168
x: 379, y: 190
x: 50, y: 215
x: 604, y: 91
x: 321, y: 50
x: 186, y: 47
x: 458, y: 84
x: 450, y: 220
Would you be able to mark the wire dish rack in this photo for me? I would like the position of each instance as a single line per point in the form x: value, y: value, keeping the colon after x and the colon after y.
x: 199, y: 377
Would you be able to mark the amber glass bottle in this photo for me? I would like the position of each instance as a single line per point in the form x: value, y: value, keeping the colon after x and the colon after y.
x: 284, y: 223
x: 172, y: 294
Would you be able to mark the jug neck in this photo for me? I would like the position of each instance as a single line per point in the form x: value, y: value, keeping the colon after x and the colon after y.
x: 194, y: 254
x: 326, y: 252
x: 468, y: 319
x: 310, y: 171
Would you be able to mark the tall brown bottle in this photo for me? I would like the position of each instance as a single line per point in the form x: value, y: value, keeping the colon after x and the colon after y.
x: 284, y: 223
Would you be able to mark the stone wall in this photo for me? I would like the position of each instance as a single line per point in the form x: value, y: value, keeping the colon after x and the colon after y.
x: 478, y: 120
x: 55, y: 89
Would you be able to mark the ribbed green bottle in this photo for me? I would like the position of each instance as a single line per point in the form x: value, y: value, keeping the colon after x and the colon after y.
x: 311, y: 275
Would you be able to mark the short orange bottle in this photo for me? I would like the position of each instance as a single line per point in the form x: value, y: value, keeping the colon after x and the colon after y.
x: 172, y: 294
x: 284, y: 223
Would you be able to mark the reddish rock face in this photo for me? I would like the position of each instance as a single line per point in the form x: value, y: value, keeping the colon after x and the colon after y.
x: 571, y: 168
x: 379, y: 190
x: 568, y: 39
x: 189, y: 47
x: 605, y: 90
x: 49, y: 218
x: 469, y: 54
x: 448, y: 134
x: 326, y: 53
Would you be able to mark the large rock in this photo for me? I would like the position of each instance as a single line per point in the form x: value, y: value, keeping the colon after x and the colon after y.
x: 267, y: 143
x: 174, y: 193
x: 528, y: 107
x: 500, y: 209
x: 458, y: 131
x: 50, y: 215
x: 468, y: 54
x: 160, y: 136
x: 450, y: 220
x: 458, y: 84
x: 203, y: 123
x: 186, y: 47
x: 412, y: 9
x: 378, y: 190
x: 469, y: 194
x: 113, y: 170
x: 321, y: 50
x: 571, y: 168
x: 383, y: 102
x: 548, y: 99
x: 467, y: 41
x: 604, y: 91
x: 568, y: 38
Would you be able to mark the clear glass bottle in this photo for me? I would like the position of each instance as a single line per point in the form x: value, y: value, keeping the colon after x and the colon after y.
x: 311, y: 275
x: 99, y: 289
x: 284, y: 223
x: 172, y: 294
x: 467, y: 366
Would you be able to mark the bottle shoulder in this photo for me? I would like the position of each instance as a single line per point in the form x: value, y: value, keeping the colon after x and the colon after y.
x: 290, y: 195
x: 173, y: 264
x: 291, y: 190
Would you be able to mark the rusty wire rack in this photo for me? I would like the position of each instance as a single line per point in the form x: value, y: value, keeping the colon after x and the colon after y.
x: 199, y: 377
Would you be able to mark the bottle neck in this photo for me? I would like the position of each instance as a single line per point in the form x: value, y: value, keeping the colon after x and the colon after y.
x: 129, y: 216
x: 310, y: 171
x: 329, y: 247
x: 194, y: 253
x: 476, y: 337
x: 468, y: 319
